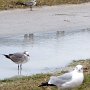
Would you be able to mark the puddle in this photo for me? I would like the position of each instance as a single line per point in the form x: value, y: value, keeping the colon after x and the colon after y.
x: 48, y: 51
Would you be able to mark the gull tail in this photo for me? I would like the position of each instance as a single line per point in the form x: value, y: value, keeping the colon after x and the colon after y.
x: 7, y: 56
x: 46, y: 84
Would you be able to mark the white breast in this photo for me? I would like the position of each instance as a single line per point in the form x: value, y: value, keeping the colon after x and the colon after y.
x: 77, y: 79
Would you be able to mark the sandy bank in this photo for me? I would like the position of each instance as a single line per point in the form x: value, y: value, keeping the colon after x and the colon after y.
x: 63, y: 17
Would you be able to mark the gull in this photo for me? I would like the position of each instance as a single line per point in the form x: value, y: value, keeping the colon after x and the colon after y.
x: 68, y: 80
x: 28, y: 3
x: 31, y: 4
x: 18, y: 58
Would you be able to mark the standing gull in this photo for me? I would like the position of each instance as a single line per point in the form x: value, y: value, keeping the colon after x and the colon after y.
x: 18, y: 58
x: 31, y: 4
x: 28, y: 3
x: 67, y: 80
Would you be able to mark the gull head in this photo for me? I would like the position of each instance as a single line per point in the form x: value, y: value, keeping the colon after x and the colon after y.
x: 26, y: 53
x: 79, y: 68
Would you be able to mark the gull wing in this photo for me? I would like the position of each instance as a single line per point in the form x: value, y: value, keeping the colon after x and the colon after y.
x: 17, y: 56
x: 59, y: 80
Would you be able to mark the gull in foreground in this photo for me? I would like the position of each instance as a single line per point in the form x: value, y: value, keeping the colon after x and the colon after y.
x: 67, y: 80
x: 18, y: 58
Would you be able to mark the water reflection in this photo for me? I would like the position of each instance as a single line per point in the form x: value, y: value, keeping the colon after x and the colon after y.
x: 60, y: 34
x: 48, y: 50
x: 29, y: 38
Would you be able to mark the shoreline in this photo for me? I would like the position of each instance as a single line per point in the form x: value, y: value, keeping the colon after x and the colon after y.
x: 59, y: 17
x: 32, y: 82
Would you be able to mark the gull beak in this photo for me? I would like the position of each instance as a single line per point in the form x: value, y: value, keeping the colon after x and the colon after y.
x: 85, y: 69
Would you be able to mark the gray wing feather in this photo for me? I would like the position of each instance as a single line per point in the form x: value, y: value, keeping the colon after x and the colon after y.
x: 59, y: 80
x: 29, y: 3
x: 17, y: 57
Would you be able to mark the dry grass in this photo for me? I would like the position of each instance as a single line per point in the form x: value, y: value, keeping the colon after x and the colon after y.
x: 56, y: 2
x: 7, y: 4
x: 25, y: 83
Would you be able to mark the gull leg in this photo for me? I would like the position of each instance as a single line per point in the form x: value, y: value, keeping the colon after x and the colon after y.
x: 31, y: 8
x: 20, y: 68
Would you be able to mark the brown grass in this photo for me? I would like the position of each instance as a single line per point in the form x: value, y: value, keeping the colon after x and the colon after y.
x: 7, y: 4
